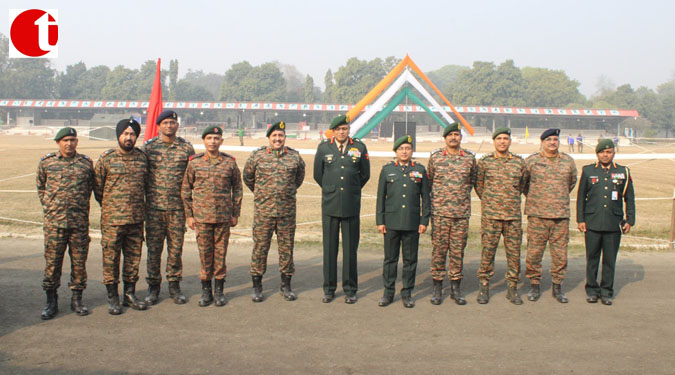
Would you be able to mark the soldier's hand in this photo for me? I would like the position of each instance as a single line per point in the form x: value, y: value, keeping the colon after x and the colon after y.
x: 234, y: 221
x: 582, y: 227
x: 191, y: 223
x: 626, y: 228
x: 382, y: 229
x: 422, y: 229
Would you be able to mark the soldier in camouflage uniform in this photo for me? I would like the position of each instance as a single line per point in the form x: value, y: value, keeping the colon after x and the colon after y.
x: 64, y: 181
x: 211, y: 194
x: 274, y: 173
x: 452, y: 174
x: 500, y: 182
x: 551, y: 176
x: 165, y: 217
x: 120, y: 177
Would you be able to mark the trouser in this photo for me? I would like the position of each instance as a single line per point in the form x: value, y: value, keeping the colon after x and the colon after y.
x: 56, y: 242
x: 555, y: 232
x: 350, y: 241
x: 396, y: 242
x: 448, y: 240
x: 607, y: 245
x: 212, y: 241
x: 120, y: 240
x: 491, y: 231
x: 263, y: 228
x: 161, y: 225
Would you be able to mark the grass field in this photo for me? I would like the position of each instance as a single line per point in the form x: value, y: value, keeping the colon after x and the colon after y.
x: 654, y: 181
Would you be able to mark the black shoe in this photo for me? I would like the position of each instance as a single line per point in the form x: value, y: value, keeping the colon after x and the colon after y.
x: 176, y: 294
x: 606, y: 301
x: 408, y: 302
x: 285, y: 288
x: 207, y: 295
x: 437, y: 292
x: 328, y: 297
x: 483, y: 293
x: 455, y: 292
x: 558, y: 293
x: 257, y: 295
x: 385, y: 300
x: 153, y: 294
x: 130, y: 298
x: 534, y: 293
x: 350, y: 300
x: 592, y: 299
x: 513, y: 296
x: 114, y: 307
x: 52, y: 305
x: 77, y: 305
x: 219, y: 297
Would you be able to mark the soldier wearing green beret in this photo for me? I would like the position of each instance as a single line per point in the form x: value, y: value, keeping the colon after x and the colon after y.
x: 341, y: 169
x: 604, y: 186
x: 403, y: 185
x: 65, y: 180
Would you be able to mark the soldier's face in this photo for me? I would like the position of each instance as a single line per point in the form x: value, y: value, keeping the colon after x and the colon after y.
x: 168, y: 127
x: 502, y: 142
x: 404, y: 153
x: 453, y: 139
x: 277, y: 139
x: 341, y: 133
x: 67, y: 146
x: 212, y: 142
x: 127, y: 139
x: 551, y: 144
x: 605, y: 156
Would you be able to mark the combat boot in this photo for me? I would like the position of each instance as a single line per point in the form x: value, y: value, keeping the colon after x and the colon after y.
x: 130, y: 298
x: 558, y: 293
x: 257, y: 295
x: 114, y: 307
x: 207, y: 295
x: 437, y: 292
x: 456, y: 293
x: 285, y: 288
x: 219, y: 297
x: 534, y: 293
x: 52, y: 306
x: 153, y: 294
x: 512, y: 295
x: 483, y: 292
x: 176, y: 294
x: 77, y: 305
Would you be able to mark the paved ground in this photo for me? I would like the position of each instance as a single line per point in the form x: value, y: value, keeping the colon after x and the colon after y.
x: 636, y: 335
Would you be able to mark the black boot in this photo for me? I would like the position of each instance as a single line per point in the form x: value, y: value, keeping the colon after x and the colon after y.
x: 77, y: 305
x: 52, y: 306
x: 257, y: 295
x: 130, y: 298
x: 558, y: 293
x: 153, y: 294
x: 437, y: 292
x: 512, y: 295
x: 285, y: 288
x: 534, y: 293
x: 455, y: 292
x: 483, y: 292
x: 219, y: 297
x: 176, y: 294
x: 207, y: 295
x: 114, y: 307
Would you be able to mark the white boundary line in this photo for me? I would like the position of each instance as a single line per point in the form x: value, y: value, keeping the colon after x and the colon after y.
x: 15, y: 177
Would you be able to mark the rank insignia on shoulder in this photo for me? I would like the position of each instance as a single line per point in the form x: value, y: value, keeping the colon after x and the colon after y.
x: 199, y: 155
x: 49, y: 155
x: 151, y: 140
x: 107, y: 152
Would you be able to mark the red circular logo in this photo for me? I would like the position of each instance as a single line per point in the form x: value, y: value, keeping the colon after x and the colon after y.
x: 34, y: 32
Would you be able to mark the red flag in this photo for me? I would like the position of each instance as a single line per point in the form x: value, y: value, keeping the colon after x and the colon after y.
x: 155, y: 106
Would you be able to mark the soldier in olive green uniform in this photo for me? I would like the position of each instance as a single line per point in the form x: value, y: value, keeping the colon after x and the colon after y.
x: 500, y: 182
x: 64, y: 181
x: 603, y: 188
x: 165, y: 217
x: 120, y: 179
x: 402, y: 187
x: 274, y: 173
x: 341, y: 168
x: 551, y: 176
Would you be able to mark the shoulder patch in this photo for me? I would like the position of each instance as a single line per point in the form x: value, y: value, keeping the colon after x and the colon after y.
x: 107, y: 152
x: 357, y: 140
x: 199, y: 155
x: 390, y: 163
x: 228, y: 155
x: 489, y: 155
x: 49, y: 155
x: 85, y: 157
x: 324, y: 140
x: 150, y: 140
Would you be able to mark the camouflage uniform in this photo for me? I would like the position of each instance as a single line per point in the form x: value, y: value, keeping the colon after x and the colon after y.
x: 452, y: 177
x: 120, y: 190
x: 64, y: 186
x: 165, y: 216
x: 274, y: 177
x: 549, y: 183
x: 211, y: 194
x: 499, y: 184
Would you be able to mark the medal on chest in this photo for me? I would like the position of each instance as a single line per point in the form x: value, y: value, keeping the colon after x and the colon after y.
x: 416, y: 176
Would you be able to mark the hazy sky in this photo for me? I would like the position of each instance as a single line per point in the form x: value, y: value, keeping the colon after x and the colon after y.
x: 627, y: 41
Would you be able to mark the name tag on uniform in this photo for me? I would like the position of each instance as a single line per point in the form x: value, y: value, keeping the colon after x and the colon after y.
x: 615, y: 195
x: 329, y: 158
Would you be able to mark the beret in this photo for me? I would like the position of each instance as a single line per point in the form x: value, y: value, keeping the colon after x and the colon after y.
x: 276, y: 126
x: 65, y: 132
x: 340, y: 120
x: 166, y: 114
x: 402, y: 140
x: 502, y: 130
x: 549, y: 132
x: 452, y: 127
x: 604, y: 144
x: 212, y: 129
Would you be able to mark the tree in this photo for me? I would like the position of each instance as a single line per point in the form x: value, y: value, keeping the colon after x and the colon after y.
x: 357, y: 77
x: 329, y: 95
x: 550, y: 88
x: 445, y: 76
x: 309, y: 89
x: 230, y: 91
x: 173, y: 79
x: 28, y: 79
x: 294, y: 82
x: 69, y: 81
x: 187, y: 91
x: 212, y: 82
x: 91, y: 83
x: 475, y: 86
x: 666, y: 114
x: 264, y: 82
x: 145, y: 78
x: 120, y: 84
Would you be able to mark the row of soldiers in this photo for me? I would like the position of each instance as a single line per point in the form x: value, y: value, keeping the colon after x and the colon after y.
x: 165, y: 186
